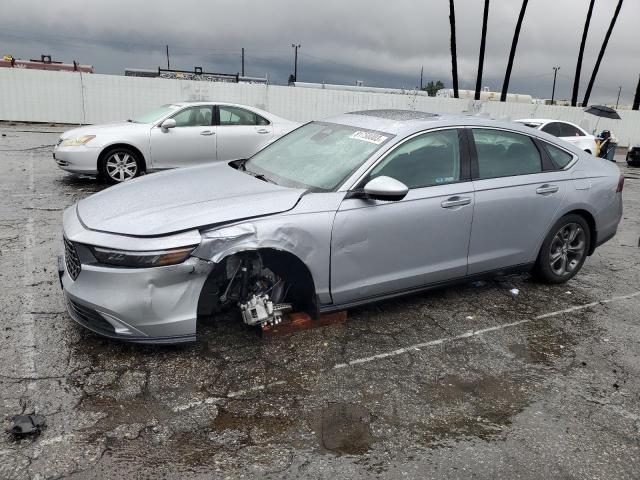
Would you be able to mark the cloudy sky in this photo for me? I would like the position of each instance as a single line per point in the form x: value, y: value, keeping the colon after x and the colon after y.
x: 383, y: 43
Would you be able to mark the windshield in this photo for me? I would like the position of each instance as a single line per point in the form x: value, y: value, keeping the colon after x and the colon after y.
x: 156, y: 114
x: 318, y: 155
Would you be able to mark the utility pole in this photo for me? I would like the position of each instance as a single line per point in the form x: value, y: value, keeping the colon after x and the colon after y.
x: 636, y: 98
x: 295, y: 46
x: 618, y: 100
x: 168, y: 65
x: 421, y: 72
x: 553, y: 92
x: 243, y: 61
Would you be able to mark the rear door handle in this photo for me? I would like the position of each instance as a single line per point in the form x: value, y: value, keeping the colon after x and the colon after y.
x: 206, y: 132
x: 547, y: 189
x: 455, y: 202
x: 263, y: 131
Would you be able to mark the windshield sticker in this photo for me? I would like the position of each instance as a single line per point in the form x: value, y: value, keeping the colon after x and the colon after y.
x: 369, y: 137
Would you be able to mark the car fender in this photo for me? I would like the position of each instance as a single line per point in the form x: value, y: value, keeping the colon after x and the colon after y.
x: 304, y: 232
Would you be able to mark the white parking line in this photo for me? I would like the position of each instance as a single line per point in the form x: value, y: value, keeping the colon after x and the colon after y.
x: 257, y: 388
x: 27, y: 351
x: 475, y: 333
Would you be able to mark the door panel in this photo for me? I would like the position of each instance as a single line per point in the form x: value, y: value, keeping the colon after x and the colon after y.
x: 191, y: 142
x: 512, y: 213
x: 241, y: 133
x: 381, y: 247
x: 511, y: 219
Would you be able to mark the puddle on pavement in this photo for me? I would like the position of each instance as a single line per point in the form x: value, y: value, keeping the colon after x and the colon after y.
x: 544, y: 343
x: 344, y: 428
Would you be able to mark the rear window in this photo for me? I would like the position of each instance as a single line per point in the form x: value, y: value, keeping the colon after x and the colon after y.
x: 504, y: 154
x: 559, y: 157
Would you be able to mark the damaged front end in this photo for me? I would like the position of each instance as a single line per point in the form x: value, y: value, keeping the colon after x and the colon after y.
x: 258, y: 292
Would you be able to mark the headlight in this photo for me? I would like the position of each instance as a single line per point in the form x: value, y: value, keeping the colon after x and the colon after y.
x: 159, y: 258
x: 75, y: 142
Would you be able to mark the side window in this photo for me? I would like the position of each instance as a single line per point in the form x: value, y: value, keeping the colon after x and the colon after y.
x: 503, y: 154
x: 429, y: 159
x: 552, y: 128
x: 568, y: 130
x: 194, y: 116
x: 560, y: 157
x: 239, y: 116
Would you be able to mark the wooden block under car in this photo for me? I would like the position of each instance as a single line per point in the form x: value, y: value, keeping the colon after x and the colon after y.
x: 296, y: 322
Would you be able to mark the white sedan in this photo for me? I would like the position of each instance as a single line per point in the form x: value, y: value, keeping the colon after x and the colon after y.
x: 566, y: 131
x: 174, y: 135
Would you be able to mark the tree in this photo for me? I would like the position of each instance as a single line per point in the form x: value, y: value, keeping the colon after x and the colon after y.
x: 432, y: 88
x: 483, y: 41
x: 601, y: 54
x: 454, y: 55
x: 512, y: 52
x: 576, y: 80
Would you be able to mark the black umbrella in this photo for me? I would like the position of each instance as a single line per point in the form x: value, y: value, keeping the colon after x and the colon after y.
x: 602, y: 111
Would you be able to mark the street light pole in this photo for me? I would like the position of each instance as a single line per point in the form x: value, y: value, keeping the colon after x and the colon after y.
x: 618, y: 100
x: 553, y: 92
x: 295, y: 46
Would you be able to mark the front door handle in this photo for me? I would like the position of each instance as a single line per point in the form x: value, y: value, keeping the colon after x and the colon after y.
x: 546, y: 189
x: 455, y: 202
x: 263, y: 131
x: 206, y: 132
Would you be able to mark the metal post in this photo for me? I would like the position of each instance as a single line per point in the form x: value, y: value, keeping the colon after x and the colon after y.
x: 168, y: 65
x: 421, y: 74
x: 618, y: 100
x: 243, y: 61
x: 295, y: 61
x: 553, y: 92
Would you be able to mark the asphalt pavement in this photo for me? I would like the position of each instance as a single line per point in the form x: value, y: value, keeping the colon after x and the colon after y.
x: 474, y: 381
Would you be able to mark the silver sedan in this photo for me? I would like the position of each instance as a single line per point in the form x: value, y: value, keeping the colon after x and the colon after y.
x: 174, y: 135
x: 350, y: 210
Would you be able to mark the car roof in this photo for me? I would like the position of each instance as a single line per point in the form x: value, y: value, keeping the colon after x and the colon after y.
x: 544, y: 120
x: 406, y: 122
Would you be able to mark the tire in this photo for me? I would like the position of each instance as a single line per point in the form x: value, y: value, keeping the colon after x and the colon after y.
x: 119, y: 165
x: 564, y: 250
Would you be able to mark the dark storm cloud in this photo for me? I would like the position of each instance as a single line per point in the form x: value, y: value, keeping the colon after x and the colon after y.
x: 382, y: 43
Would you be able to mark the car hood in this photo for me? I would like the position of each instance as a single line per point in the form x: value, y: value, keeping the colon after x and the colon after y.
x: 184, y: 199
x: 103, y: 128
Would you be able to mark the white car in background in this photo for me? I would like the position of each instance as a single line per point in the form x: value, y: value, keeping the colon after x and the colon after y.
x: 173, y: 135
x: 567, y: 131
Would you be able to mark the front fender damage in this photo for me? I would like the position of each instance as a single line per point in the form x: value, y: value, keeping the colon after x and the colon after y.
x: 306, y: 237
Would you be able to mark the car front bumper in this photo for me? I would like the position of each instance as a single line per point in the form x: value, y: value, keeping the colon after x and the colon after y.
x: 142, y: 305
x: 80, y: 159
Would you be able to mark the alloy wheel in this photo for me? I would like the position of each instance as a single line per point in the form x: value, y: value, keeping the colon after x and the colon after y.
x: 567, y: 249
x: 121, y: 166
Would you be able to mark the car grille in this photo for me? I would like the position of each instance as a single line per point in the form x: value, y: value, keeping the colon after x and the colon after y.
x: 89, y: 317
x: 71, y: 259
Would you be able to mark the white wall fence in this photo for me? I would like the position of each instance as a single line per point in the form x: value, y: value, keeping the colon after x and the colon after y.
x: 71, y: 97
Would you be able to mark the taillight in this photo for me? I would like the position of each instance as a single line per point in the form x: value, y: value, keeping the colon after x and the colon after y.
x: 620, y: 184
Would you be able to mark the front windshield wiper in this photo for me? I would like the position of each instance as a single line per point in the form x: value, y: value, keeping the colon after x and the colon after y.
x: 259, y: 176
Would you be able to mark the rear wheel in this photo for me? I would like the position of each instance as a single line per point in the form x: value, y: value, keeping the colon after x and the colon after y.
x: 119, y: 165
x: 564, y: 250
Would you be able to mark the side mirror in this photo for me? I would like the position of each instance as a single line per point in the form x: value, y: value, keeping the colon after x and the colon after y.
x: 385, y: 188
x: 167, y: 124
